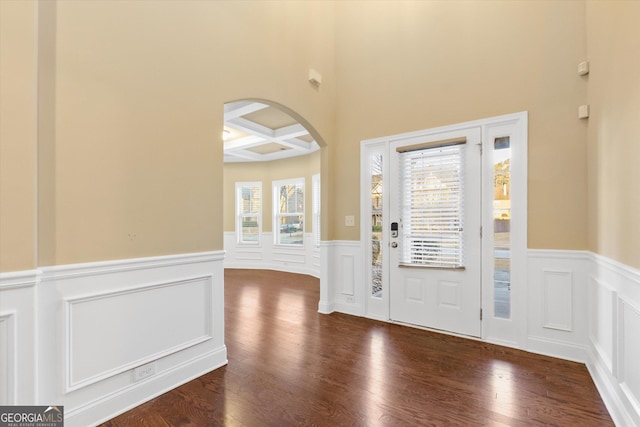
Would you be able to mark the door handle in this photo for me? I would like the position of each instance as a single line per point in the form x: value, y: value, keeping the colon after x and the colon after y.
x: 394, y: 244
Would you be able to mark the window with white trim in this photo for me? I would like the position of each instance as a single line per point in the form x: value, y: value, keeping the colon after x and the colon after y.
x: 315, y: 200
x: 288, y: 211
x: 248, y: 212
x: 432, y: 205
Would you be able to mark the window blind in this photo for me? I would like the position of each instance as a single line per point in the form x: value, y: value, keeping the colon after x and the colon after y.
x: 251, y: 199
x: 432, y: 207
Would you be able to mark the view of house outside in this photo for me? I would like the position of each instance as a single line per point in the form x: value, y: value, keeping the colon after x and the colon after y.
x: 290, y: 217
x: 376, y: 225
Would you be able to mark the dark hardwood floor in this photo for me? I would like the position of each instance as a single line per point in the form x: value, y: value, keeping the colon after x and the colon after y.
x: 290, y: 366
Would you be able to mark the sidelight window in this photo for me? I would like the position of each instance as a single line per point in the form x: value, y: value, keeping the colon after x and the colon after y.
x: 377, y: 218
x: 502, y: 226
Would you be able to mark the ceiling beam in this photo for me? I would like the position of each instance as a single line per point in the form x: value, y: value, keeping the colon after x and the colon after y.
x: 237, y: 150
x: 284, y: 135
x: 244, y: 142
x: 239, y: 109
x: 246, y: 155
x: 291, y: 131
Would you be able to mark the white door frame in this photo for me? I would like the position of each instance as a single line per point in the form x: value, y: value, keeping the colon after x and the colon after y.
x: 510, y: 332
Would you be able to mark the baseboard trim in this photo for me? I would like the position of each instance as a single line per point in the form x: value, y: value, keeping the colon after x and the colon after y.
x: 112, y: 405
x: 271, y: 267
x: 608, y: 392
x: 352, y: 309
x: 325, y: 307
x: 557, y: 349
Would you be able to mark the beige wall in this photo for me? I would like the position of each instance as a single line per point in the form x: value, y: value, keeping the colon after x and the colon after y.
x: 139, y: 94
x: 17, y: 135
x: 266, y: 172
x: 131, y: 100
x: 614, y: 134
x: 406, y: 66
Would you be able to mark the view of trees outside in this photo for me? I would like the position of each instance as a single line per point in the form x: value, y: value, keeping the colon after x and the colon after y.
x: 502, y: 227
x: 291, y: 214
x: 376, y: 224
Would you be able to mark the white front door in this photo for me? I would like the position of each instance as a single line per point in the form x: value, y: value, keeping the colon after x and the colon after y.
x: 435, y: 231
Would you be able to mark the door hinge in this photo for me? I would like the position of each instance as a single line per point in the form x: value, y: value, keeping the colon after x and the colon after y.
x: 480, y: 231
x: 480, y: 147
x: 480, y: 314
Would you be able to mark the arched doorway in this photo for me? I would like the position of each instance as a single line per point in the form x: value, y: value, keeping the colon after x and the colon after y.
x: 272, y: 180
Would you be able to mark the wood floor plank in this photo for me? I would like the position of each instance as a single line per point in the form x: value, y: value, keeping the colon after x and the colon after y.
x: 290, y: 366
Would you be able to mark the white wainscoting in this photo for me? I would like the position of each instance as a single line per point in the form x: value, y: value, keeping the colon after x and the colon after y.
x: 18, y: 380
x: 557, y: 303
x: 614, y: 337
x: 342, y: 281
x: 98, y: 322
x: 92, y: 325
x: 268, y: 256
x: 7, y: 357
x: 556, y: 285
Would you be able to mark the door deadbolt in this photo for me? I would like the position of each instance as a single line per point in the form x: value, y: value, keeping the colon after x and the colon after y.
x: 394, y: 230
x: 394, y: 244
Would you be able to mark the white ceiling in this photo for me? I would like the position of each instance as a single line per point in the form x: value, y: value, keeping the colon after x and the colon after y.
x: 256, y: 132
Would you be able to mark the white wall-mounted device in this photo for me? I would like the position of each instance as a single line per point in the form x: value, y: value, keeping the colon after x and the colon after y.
x: 315, y: 78
x: 583, y: 68
x: 583, y: 112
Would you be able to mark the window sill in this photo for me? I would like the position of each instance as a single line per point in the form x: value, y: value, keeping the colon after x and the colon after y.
x: 286, y: 246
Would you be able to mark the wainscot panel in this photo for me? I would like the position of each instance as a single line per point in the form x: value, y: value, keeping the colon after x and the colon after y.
x: 18, y: 341
x: 8, y: 358
x: 113, y: 321
x: 614, y: 328
x: 345, y: 277
x: 115, y: 334
x: 557, y: 303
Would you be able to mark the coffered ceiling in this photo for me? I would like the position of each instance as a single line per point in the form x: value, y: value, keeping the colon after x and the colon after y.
x: 257, y: 132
